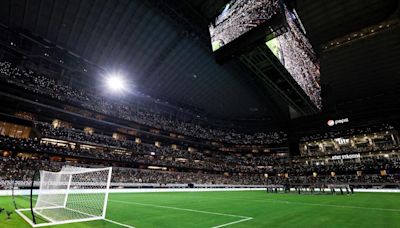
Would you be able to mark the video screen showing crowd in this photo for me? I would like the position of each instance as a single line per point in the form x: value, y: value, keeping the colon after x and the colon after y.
x: 239, y: 17
x: 289, y: 44
x: 296, y: 54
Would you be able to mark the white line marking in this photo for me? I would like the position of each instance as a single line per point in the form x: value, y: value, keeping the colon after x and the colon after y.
x: 231, y: 223
x: 118, y: 223
x: 333, y: 205
x: 242, y: 218
x: 308, y: 204
x: 105, y: 219
x: 178, y: 208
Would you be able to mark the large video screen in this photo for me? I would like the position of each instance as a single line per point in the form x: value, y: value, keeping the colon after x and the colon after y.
x: 239, y: 17
x: 296, y: 54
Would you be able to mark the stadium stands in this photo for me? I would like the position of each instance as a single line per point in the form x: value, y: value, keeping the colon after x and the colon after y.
x: 132, y: 113
x: 27, y: 79
x: 226, y: 155
x: 21, y: 169
x: 233, y: 168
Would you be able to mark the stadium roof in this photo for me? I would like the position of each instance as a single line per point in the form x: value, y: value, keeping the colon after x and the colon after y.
x: 361, y: 74
x: 164, y: 59
x: 164, y: 46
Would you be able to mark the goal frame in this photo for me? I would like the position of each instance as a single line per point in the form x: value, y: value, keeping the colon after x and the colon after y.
x: 51, y: 222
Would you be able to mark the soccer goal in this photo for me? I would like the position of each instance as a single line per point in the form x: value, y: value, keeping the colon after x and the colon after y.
x: 74, y: 194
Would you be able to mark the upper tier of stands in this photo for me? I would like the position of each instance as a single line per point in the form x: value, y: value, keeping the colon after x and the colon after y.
x: 40, y: 84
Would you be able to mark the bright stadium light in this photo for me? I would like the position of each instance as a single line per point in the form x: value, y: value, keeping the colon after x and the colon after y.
x: 115, y: 83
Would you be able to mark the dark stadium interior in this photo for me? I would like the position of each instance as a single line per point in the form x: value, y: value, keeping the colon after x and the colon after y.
x: 169, y: 75
x: 188, y: 118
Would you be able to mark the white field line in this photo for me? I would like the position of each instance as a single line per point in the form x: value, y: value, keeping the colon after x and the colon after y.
x: 242, y: 218
x: 334, y: 205
x: 231, y: 223
x: 310, y: 204
x: 105, y: 219
x: 118, y: 223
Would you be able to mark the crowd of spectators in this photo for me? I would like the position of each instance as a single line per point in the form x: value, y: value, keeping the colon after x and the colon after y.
x: 193, y: 166
x: 148, y: 154
x: 366, y: 165
x: 22, y: 169
x: 242, y: 162
x: 347, y: 132
x: 299, y: 58
x: 72, y: 134
x: 353, y: 149
x: 76, y: 135
x: 126, y: 175
x: 239, y: 17
x: 294, y: 49
x: 43, y: 85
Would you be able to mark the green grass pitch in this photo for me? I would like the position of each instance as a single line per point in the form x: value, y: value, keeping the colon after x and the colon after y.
x: 238, y: 209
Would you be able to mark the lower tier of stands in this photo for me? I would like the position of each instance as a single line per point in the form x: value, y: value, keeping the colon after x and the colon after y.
x: 22, y: 171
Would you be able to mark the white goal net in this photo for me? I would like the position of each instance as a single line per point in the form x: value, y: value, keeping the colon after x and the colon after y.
x: 74, y: 194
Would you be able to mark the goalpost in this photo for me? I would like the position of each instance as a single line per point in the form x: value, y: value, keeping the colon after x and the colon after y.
x: 74, y: 194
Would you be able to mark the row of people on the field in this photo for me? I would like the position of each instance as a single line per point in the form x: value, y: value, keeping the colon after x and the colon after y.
x: 40, y: 84
x: 311, y: 189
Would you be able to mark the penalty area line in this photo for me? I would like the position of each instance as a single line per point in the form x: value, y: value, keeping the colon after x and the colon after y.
x: 118, y: 223
x: 242, y: 218
x: 234, y: 222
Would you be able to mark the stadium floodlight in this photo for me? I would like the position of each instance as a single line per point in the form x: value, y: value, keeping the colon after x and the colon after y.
x: 115, y: 83
x: 74, y: 194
